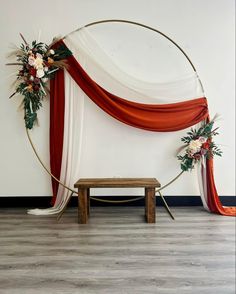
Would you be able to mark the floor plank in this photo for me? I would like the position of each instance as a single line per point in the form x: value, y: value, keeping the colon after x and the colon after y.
x: 117, y: 252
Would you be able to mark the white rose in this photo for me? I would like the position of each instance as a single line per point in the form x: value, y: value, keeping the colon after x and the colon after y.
x: 52, y: 51
x: 40, y: 73
x: 31, y: 60
x: 202, y: 139
x: 194, y: 146
x: 39, y: 55
x: 38, y: 63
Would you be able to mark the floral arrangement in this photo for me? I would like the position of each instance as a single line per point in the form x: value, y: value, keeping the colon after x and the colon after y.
x: 198, y: 144
x: 38, y: 63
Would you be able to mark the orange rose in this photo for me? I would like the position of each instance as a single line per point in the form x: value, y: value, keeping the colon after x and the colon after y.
x: 30, y: 88
x: 50, y: 60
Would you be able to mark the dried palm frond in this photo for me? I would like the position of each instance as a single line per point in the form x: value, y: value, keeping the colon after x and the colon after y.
x: 21, y: 106
x: 216, y: 117
x: 15, y: 83
x: 47, y: 90
x: 12, y: 95
x: 61, y: 63
x: 16, y: 52
x: 14, y: 63
x: 181, y: 148
x: 24, y: 40
x: 54, y: 41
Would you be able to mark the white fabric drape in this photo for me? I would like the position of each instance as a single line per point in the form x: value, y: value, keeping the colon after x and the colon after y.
x: 101, y: 66
x: 73, y: 130
x: 202, y: 182
x: 108, y: 74
x: 72, y: 142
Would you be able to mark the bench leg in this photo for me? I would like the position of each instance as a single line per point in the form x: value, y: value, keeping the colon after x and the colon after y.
x: 88, y: 201
x: 150, y: 205
x: 83, y: 206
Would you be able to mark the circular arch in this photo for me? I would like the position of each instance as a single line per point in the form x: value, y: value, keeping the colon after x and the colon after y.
x: 191, y: 64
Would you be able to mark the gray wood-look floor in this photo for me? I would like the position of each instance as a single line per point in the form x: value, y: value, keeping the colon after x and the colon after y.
x: 117, y: 252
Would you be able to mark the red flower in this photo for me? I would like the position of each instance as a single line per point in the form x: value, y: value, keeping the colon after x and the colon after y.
x: 36, y: 87
x: 206, y: 145
x: 36, y: 80
x: 32, y: 71
x: 197, y: 156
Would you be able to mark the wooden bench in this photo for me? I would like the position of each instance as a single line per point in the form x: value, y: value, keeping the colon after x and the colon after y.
x: 84, y: 186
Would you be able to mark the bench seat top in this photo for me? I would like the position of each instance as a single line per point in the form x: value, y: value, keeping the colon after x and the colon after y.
x: 117, y: 183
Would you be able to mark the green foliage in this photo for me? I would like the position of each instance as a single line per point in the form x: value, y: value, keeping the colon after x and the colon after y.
x: 207, y: 149
x: 32, y: 103
x: 186, y: 163
x: 215, y: 150
x: 31, y: 86
x: 62, y: 52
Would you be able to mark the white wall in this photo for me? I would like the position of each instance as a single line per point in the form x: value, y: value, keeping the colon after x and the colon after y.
x: 203, y: 28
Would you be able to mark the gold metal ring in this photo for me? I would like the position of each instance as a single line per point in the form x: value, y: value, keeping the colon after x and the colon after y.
x: 132, y: 23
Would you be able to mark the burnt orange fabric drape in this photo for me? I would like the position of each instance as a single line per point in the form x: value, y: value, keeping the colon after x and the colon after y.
x: 161, y: 118
x: 151, y: 117
x: 213, y: 199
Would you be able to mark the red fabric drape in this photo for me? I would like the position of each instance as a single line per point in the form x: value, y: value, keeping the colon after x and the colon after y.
x: 57, y: 108
x: 214, y: 203
x: 161, y: 118
x: 152, y: 117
